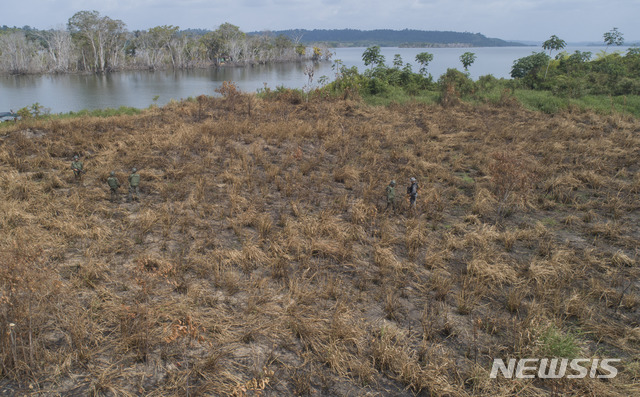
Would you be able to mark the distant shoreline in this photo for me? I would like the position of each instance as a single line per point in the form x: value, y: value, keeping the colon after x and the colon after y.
x: 420, y: 45
x: 392, y: 38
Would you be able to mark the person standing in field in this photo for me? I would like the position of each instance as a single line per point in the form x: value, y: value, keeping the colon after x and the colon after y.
x: 114, y: 184
x: 391, y: 196
x: 77, y: 167
x: 134, y: 183
x: 412, y: 192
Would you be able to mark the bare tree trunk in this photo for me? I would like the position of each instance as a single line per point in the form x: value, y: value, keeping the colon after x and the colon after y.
x: 19, y: 55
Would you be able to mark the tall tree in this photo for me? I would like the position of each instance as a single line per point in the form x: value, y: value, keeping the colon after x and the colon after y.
x: 117, y: 38
x: 59, y: 48
x: 527, y: 68
x: 155, y: 45
x: 613, y: 37
x: 224, y: 42
x: 397, y: 61
x: 423, y: 59
x: 100, y: 36
x: 553, y: 44
x: 467, y: 59
x: 176, y: 46
x: 372, y: 56
x: 19, y: 55
x: 232, y: 38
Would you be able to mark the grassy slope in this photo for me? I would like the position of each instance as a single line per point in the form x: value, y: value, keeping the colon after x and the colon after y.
x: 260, y: 258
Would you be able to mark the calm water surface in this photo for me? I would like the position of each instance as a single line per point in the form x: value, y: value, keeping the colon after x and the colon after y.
x: 64, y: 93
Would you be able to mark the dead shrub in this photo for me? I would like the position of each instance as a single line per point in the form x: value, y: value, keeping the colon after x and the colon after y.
x: 440, y: 282
x: 347, y: 174
x: 484, y: 203
x: 498, y: 271
x: 230, y: 92
x: 515, y: 298
x: 620, y: 259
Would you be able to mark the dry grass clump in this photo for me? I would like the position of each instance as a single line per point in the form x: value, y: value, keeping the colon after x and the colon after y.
x: 497, y: 272
x: 261, y: 259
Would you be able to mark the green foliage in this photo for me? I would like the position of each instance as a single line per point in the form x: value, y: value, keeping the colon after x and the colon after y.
x: 613, y: 37
x: 294, y: 96
x: 372, y: 56
x: 397, y: 61
x: 543, y: 101
x: 548, y: 102
x: 423, y: 59
x: 574, y: 65
x: 36, y: 110
x: 487, y: 82
x: 380, y: 80
x: 377, y: 86
x: 397, y: 95
x: 528, y: 68
x: 627, y: 86
x: 109, y: 112
x: 609, y: 104
x: 218, y: 43
x: 565, y: 86
x: 455, y: 79
x: 558, y: 345
x: 574, y: 81
x: 554, y: 44
x: 577, y: 75
x: 348, y: 81
x: 606, y: 71
x: 467, y: 59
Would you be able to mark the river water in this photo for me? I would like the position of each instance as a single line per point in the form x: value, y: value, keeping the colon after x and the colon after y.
x: 140, y: 89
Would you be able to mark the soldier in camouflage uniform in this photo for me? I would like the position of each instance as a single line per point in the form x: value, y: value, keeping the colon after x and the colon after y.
x: 412, y: 192
x: 77, y: 167
x: 114, y: 184
x: 134, y: 182
x: 391, y: 196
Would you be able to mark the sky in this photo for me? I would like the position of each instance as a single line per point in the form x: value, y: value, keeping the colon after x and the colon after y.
x: 526, y: 20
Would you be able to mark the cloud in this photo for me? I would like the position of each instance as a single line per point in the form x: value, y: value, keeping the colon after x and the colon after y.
x: 572, y: 20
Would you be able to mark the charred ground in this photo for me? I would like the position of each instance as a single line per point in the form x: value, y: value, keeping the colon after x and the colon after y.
x: 259, y: 260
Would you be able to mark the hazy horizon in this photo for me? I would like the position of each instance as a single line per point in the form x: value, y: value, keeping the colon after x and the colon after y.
x: 525, y: 20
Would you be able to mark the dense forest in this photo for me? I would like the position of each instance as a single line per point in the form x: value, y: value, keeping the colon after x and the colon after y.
x: 392, y: 38
x: 95, y: 43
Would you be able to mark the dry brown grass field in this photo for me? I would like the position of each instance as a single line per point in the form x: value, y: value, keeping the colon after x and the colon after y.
x: 260, y: 259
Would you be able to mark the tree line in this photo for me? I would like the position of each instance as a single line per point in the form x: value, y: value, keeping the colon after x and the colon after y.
x: 94, y: 43
x: 391, y: 38
x: 577, y: 75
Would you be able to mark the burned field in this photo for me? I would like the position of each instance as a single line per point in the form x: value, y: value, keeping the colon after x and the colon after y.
x: 260, y: 259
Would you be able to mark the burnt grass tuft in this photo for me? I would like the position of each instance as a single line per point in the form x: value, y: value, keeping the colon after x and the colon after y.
x: 260, y: 259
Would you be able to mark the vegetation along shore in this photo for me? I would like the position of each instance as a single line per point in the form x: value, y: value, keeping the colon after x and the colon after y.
x: 95, y: 43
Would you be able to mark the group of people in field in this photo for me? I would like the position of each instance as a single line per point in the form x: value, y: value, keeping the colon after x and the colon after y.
x: 412, y: 194
x: 112, y: 181
x: 134, y: 187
